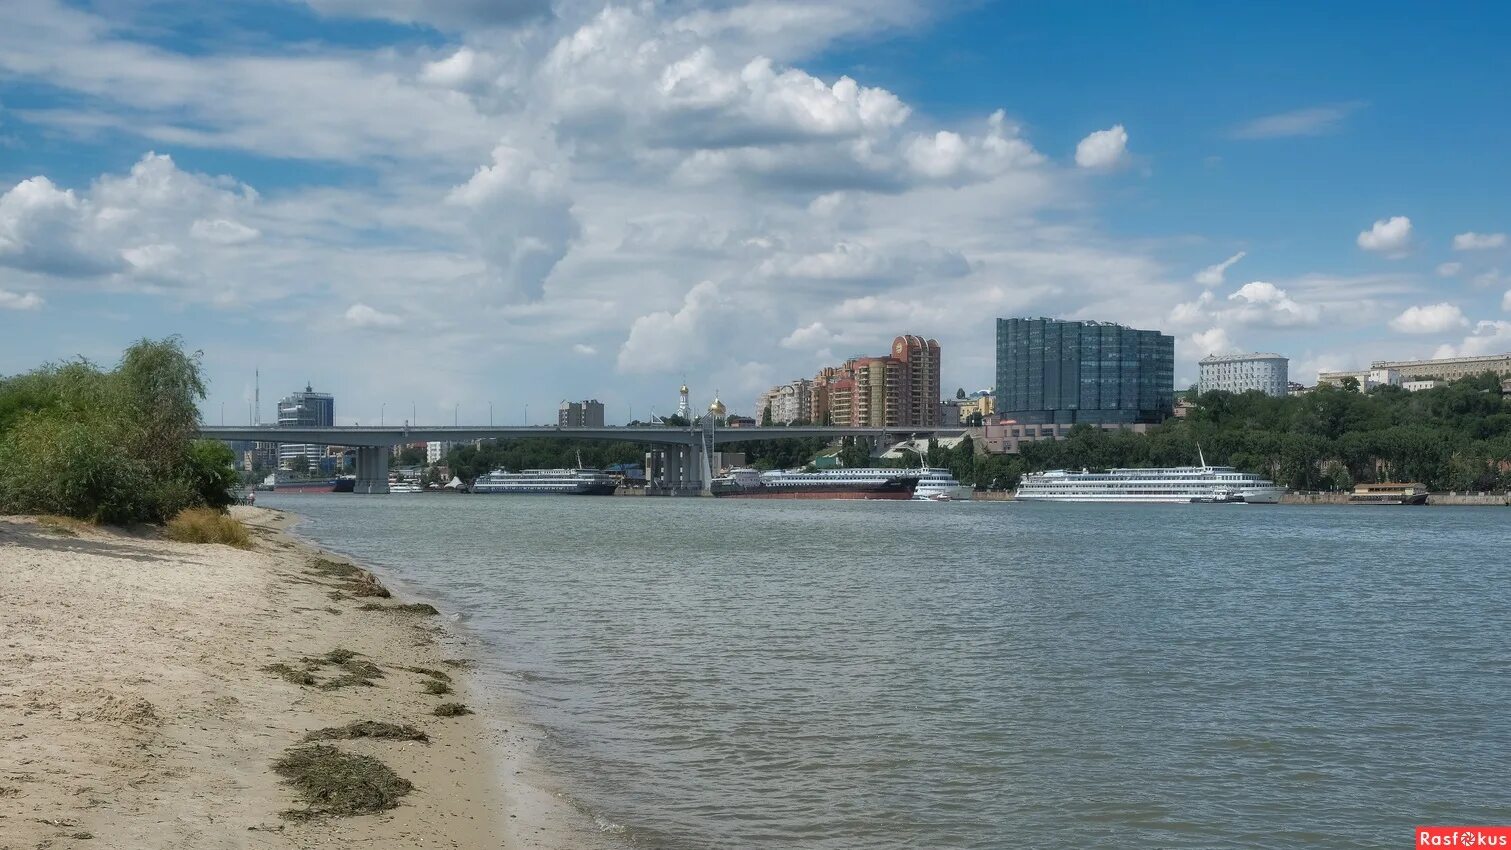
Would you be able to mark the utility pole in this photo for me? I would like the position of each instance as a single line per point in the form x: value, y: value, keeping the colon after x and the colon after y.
x: 490, y: 414
x: 456, y: 415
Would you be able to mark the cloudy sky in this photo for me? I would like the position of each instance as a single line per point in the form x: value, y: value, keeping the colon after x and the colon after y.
x: 418, y: 204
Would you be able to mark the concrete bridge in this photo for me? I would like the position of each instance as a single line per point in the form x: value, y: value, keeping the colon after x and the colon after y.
x: 680, y: 463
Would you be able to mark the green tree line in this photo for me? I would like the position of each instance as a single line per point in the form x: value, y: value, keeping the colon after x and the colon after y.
x: 117, y: 446
x: 1452, y: 437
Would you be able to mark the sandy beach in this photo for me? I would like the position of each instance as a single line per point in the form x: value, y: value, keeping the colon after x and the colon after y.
x: 142, y: 705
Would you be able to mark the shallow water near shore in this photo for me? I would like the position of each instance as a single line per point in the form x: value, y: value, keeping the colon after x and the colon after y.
x: 838, y: 675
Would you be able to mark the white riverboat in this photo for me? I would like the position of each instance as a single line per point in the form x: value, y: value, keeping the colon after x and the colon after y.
x: 1179, y: 484
x: 939, y: 485
x: 562, y: 482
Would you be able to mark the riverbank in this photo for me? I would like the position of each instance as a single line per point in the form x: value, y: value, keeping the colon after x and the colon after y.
x: 147, y: 687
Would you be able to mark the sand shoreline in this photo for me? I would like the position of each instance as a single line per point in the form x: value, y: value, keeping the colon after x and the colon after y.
x: 136, y: 709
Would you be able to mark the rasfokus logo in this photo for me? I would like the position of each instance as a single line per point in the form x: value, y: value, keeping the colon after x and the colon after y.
x: 1463, y: 836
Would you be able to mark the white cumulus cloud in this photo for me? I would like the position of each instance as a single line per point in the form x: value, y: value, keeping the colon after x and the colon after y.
x: 809, y: 338
x: 1389, y: 236
x: 1449, y: 269
x: 1429, y: 319
x: 1212, y: 341
x: 1213, y: 275
x: 1103, y: 149
x: 1492, y: 337
x: 362, y: 316
x: 19, y: 301
x: 1472, y: 241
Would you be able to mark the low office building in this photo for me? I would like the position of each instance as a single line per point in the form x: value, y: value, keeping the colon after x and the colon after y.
x: 1448, y: 368
x: 1006, y: 436
x: 1366, y: 379
x: 1239, y: 373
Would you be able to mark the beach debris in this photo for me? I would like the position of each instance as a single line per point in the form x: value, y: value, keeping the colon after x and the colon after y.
x: 431, y: 672
x: 298, y: 677
x: 459, y: 663
x: 357, y: 581
x: 355, y: 671
x: 436, y: 688
x: 421, y: 609
x: 334, y: 783
x: 368, y: 729
x: 451, y: 709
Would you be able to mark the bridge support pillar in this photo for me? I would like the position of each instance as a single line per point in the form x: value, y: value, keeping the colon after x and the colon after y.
x: 372, y: 470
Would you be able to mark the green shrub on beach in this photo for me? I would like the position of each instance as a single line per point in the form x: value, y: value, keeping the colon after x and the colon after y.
x: 114, y: 447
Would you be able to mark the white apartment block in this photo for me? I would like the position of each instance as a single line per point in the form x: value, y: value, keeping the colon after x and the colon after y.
x: 435, y: 450
x: 1237, y: 373
x: 788, y: 402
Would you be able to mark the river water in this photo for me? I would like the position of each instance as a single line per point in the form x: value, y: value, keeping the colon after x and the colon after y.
x: 848, y: 675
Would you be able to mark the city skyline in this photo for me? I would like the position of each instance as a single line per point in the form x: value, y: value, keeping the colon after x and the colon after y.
x: 408, y: 206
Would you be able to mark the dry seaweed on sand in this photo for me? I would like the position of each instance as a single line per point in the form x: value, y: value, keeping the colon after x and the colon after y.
x: 292, y: 674
x: 436, y: 688
x: 355, y: 671
x: 422, y: 609
x: 451, y: 709
x: 369, y: 729
x: 431, y: 672
x: 333, y: 783
x: 459, y: 663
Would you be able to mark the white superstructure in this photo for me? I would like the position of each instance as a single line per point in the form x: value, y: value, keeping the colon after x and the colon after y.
x: 567, y: 482
x: 1170, y: 484
x: 1236, y: 373
x: 939, y: 485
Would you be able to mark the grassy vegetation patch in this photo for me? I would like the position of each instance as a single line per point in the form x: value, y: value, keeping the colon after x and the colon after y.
x: 436, y: 688
x: 66, y: 526
x: 207, y: 525
x: 333, y: 783
x: 368, y: 729
x: 451, y: 709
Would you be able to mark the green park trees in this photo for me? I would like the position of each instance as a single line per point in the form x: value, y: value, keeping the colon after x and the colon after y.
x: 118, y: 446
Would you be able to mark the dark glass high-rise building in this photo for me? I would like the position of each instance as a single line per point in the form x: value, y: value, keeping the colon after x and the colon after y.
x: 1099, y: 373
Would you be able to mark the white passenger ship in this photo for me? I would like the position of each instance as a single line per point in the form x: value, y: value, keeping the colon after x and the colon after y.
x: 564, y: 482
x: 1188, y: 484
x: 745, y: 483
x: 939, y: 485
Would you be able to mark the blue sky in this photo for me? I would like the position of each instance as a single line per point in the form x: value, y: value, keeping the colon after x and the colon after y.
x: 415, y: 202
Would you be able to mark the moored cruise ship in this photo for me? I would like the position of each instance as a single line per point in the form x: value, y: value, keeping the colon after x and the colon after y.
x: 939, y: 485
x: 1179, y: 484
x: 824, y: 484
x: 558, y: 482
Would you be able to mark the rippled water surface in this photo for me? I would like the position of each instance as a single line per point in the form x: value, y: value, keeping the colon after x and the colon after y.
x: 733, y: 674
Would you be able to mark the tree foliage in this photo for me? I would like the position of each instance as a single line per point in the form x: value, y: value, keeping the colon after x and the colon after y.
x: 118, y: 446
x: 1452, y: 437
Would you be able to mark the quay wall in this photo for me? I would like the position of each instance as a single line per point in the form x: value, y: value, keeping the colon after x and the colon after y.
x: 1488, y: 499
